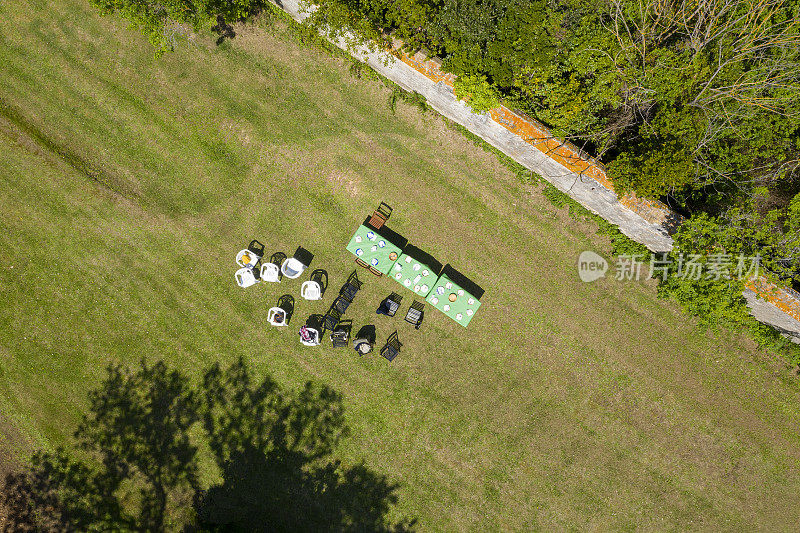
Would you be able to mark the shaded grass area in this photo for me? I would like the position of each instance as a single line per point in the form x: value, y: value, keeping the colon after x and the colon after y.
x: 562, y: 405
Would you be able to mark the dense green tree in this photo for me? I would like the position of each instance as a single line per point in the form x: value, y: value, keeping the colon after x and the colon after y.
x: 162, y: 21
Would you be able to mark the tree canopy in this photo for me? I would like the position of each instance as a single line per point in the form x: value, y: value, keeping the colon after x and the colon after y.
x: 162, y: 21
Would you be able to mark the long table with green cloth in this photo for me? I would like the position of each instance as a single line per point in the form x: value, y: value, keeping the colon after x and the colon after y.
x: 368, y: 245
x: 413, y: 274
x: 453, y: 300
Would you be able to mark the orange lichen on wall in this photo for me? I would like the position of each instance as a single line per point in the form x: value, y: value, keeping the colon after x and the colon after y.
x: 427, y: 67
x: 538, y: 136
x: 650, y: 210
x: 780, y: 298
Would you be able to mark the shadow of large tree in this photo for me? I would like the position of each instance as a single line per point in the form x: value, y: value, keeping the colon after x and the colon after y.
x: 274, y: 453
x: 136, y: 466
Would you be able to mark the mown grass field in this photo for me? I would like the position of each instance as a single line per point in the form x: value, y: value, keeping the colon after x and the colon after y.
x: 129, y: 183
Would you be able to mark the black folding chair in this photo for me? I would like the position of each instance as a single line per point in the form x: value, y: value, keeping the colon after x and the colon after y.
x: 416, y: 313
x: 392, y: 347
x: 331, y: 319
x: 390, y: 305
x: 351, y: 286
x: 341, y: 335
x: 341, y: 304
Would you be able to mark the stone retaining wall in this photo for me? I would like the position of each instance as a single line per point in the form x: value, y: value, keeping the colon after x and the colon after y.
x: 561, y: 163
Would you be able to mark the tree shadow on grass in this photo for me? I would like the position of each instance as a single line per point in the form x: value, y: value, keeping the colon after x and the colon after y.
x: 134, y: 439
x: 138, y: 469
x: 223, y: 29
x: 277, y: 470
x: 280, y: 491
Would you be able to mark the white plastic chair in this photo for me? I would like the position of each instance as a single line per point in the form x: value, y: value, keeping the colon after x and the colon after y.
x: 270, y: 272
x: 245, y: 277
x: 292, y: 268
x: 314, y: 338
x: 272, y: 314
x: 249, y: 253
x: 310, y: 290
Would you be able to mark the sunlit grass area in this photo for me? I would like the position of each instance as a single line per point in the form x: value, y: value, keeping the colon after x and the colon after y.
x: 129, y: 183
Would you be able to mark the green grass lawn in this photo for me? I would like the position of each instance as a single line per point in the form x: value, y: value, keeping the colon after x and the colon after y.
x: 129, y: 183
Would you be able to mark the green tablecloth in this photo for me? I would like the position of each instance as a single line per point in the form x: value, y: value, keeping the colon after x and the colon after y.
x: 462, y: 309
x: 368, y: 245
x: 413, y: 275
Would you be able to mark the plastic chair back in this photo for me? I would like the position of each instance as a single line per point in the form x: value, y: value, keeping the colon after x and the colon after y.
x: 292, y: 268
x: 270, y: 272
x: 310, y: 290
x: 245, y: 277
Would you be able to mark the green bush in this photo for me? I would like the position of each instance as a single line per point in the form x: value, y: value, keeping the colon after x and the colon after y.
x: 479, y: 94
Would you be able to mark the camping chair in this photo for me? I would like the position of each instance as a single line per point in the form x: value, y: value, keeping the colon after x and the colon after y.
x: 245, y: 277
x: 380, y: 216
x: 392, y: 347
x: 351, y: 287
x: 309, y: 336
x: 393, y: 301
x: 341, y: 334
x: 341, y: 304
x: 284, y: 307
x: 416, y: 313
x: 331, y: 319
x: 310, y: 290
